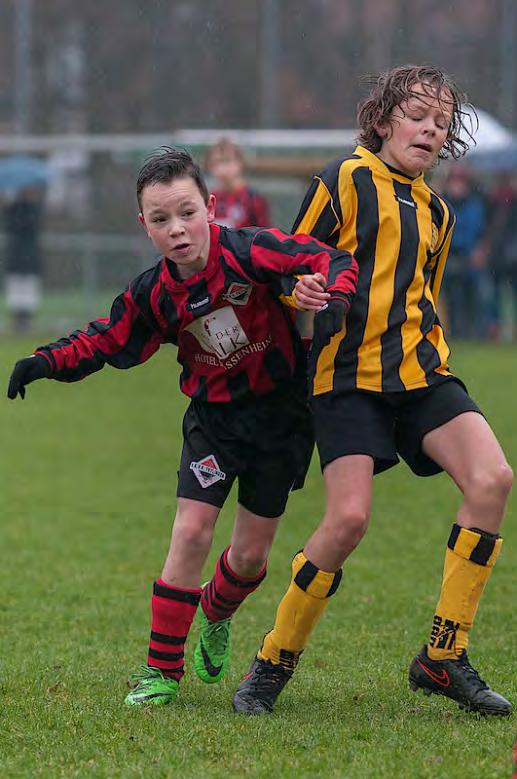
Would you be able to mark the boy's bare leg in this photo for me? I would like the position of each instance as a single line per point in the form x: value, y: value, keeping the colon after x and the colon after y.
x: 468, y: 450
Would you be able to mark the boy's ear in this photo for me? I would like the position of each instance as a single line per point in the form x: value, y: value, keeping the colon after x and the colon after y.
x: 142, y: 222
x: 210, y: 209
x: 382, y: 129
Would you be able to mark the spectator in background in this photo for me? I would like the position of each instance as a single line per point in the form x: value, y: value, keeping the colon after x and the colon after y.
x: 467, y: 285
x: 237, y: 204
x: 502, y: 249
x: 22, y: 227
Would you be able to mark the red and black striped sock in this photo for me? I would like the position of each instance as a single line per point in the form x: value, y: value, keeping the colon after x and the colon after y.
x: 226, y: 590
x: 173, y: 610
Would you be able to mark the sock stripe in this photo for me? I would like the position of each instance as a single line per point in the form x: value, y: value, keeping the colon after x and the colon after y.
x: 184, y: 596
x: 163, y: 638
x: 309, y: 573
x: 483, y: 550
x: 335, y: 584
x: 222, y: 609
x: 231, y: 579
x: 171, y: 672
x: 167, y: 656
x: 475, y: 545
x: 306, y: 575
x: 451, y: 543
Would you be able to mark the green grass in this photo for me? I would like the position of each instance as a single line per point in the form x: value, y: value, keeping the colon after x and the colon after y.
x: 88, y: 484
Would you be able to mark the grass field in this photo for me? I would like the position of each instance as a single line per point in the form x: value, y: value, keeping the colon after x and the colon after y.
x: 88, y: 484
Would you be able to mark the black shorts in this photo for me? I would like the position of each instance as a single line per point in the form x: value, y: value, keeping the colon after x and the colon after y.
x: 266, y: 443
x: 385, y: 425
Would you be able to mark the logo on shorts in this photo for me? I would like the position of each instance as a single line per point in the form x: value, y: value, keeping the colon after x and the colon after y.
x: 207, y: 471
x: 238, y: 294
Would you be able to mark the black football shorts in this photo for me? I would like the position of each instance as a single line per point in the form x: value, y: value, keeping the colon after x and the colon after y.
x: 265, y: 443
x: 386, y: 425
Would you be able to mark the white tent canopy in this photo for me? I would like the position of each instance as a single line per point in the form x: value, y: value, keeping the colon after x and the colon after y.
x: 489, y: 134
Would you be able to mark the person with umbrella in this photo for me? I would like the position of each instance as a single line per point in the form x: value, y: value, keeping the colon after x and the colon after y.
x: 22, y: 217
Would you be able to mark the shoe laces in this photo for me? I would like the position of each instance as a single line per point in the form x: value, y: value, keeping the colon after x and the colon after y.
x: 266, y: 674
x: 217, y: 633
x: 464, y: 662
x: 147, y: 673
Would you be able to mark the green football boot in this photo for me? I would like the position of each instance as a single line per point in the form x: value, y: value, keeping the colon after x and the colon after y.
x: 152, y: 688
x: 212, y: 653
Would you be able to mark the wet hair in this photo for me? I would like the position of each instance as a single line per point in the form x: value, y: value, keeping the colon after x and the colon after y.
x: 167, y: 164
x: 397, y: 86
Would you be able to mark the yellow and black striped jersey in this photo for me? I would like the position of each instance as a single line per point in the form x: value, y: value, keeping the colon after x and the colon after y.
x: 399, y: 232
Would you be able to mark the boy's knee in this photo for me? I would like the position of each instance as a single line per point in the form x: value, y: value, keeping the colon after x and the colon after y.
x: 495, y: 482
x: 348, y: 527
x: 194, y: 535
x: 247, y: 562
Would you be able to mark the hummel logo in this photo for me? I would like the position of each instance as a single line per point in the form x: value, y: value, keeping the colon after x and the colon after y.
x: 442, y: 678
x: 212, y: 670
x: 405, y: 202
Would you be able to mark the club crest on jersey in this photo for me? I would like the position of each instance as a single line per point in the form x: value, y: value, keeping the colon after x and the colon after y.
x: 207, y: 471
x: 219, y: 332
x: 238, y: 294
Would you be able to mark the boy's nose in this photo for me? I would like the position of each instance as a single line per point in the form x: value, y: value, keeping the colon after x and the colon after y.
x: 176, y: 228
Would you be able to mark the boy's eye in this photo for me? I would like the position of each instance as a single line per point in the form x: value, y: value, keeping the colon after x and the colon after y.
x: 188, y: 213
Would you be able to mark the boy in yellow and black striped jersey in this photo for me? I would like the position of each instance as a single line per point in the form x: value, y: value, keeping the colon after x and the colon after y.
x: 381, y: 387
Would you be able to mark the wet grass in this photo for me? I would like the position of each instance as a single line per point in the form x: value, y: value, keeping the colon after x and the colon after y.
x: 88, y: 483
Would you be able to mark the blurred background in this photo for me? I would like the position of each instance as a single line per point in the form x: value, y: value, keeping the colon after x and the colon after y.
x: 86, y: 93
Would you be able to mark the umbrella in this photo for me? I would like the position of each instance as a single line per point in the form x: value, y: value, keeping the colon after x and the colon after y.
x: 19, y: 172
x: 496, y: 161
x: 489, y: 134
x: 495, y: 149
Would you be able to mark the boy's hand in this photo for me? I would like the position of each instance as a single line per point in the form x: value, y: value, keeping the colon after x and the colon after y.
x: 329, y: 320
x: 26, y: 370
x: 310, y: 292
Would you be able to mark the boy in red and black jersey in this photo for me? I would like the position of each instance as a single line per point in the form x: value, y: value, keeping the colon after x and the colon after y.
x: 216, y: 294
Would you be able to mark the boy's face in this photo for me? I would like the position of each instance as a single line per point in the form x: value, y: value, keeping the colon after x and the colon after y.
x: 226, y: 169
x: 416, y: 132
x: 176, y: 218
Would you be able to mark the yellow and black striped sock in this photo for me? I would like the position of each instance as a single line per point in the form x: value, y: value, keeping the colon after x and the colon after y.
x: 298, y: 612
x: 469, y: 559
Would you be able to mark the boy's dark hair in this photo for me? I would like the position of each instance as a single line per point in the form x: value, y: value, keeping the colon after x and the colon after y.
x: 167, y: 164
x: 395, y: 87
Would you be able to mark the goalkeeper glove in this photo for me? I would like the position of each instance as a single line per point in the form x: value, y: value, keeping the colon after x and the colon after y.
x: 26, y: 370
x: 329, y: 320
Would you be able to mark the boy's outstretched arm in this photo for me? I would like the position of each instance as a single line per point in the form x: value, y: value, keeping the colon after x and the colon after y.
x: 128, y: 337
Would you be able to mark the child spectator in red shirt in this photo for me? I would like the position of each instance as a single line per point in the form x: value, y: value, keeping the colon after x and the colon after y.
x: 238, y: 205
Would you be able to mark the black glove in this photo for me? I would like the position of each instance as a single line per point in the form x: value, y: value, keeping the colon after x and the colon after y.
x: 27, y: 370
x: 329, y: 320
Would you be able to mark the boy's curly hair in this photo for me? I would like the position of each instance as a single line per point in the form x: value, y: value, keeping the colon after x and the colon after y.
x: 395, y: 87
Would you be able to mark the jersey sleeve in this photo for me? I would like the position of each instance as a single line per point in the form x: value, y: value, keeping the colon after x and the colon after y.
x: 126, y: 338
x: 275, y: 255
x: 320, y: 213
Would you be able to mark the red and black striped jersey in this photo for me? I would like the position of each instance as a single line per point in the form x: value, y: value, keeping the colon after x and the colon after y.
x: 235, y: 339
x: 244, y: 207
